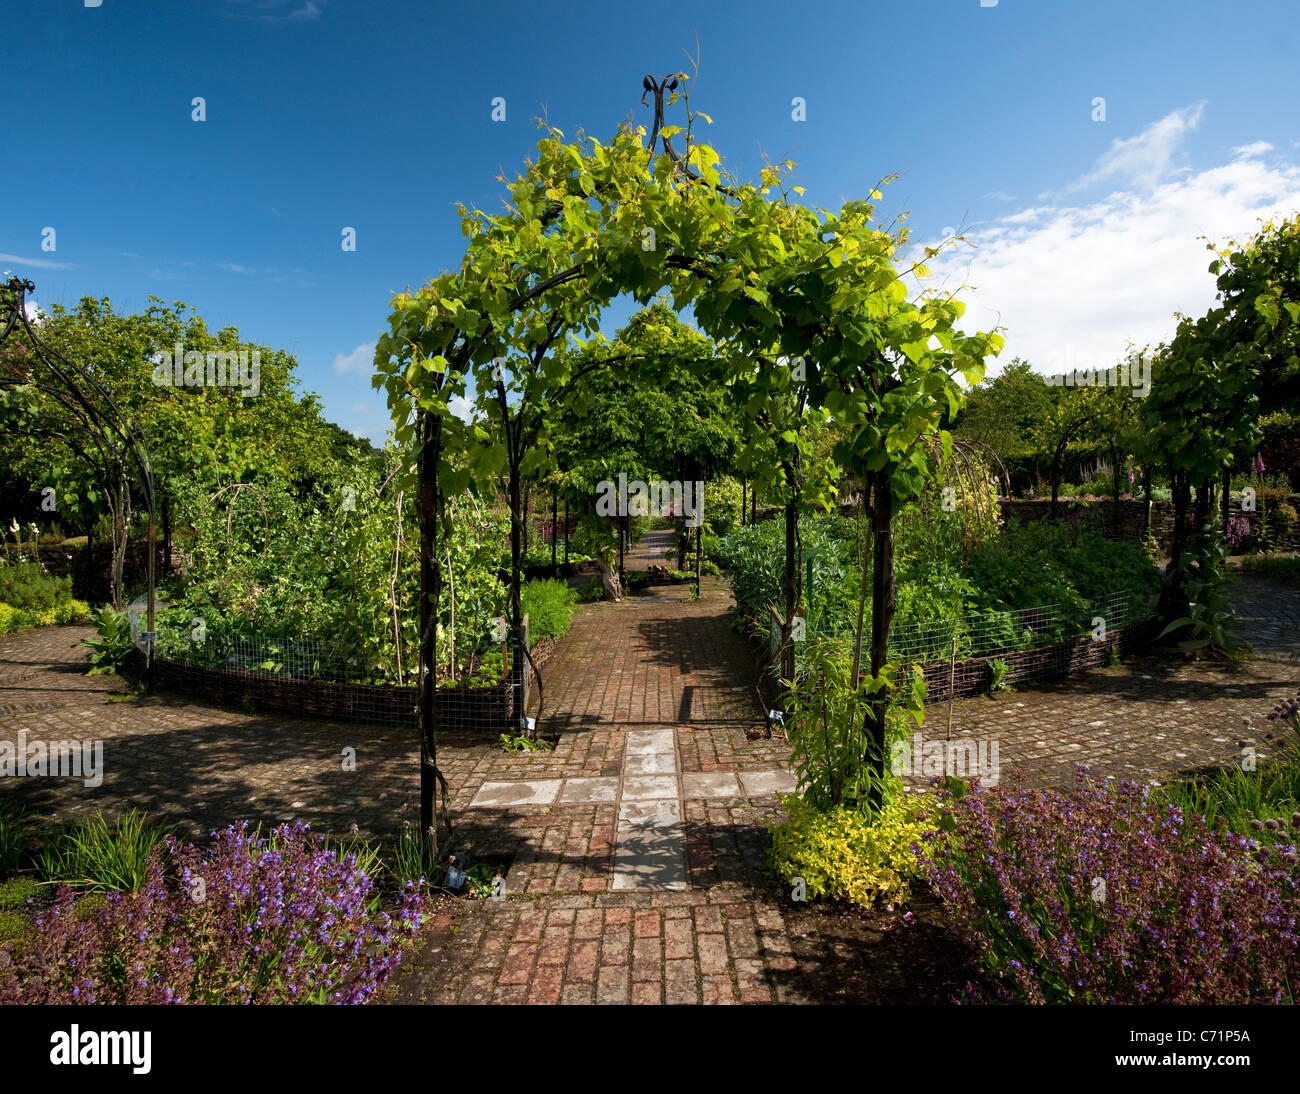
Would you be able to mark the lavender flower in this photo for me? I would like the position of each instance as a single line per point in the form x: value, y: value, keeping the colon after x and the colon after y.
x: 275, y: 919
x: 1104, y: 895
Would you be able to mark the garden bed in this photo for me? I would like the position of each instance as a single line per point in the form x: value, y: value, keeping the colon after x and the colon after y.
x: 472, y: 710
x: 469, y: 710
x: 971, y: 676
x: 1054, y: 662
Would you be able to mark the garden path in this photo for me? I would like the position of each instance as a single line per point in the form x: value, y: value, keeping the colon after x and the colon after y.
x: 627, y: 673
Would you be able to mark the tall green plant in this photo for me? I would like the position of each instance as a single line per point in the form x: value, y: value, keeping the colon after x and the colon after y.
x: 826, y: 724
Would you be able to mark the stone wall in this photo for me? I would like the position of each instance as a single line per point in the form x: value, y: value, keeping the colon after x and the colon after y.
x: 1102, y: 516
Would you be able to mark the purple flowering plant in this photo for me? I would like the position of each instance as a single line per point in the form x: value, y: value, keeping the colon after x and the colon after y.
x: 1106, y: 895
x: 254, y: 919
x: 1238, y: 531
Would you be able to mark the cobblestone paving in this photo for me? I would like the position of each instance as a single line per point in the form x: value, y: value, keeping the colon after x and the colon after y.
x: 661, y: 661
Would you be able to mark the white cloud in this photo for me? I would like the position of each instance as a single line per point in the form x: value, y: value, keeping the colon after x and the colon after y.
x: 1145, y: 159
x: 235, y: 267
x: 39, y: 263
x: 462, y: 407
x: 364, y: 420
x: 360, y: 361
x: 1076, y: 285
x: 1250, y: 151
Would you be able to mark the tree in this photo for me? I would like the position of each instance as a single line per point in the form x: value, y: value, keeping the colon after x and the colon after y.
x: 1007, y: 413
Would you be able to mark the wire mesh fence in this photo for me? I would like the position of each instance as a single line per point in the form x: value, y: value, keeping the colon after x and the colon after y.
x: 322, y: 677
x: 987, y: 633
x: 1040, y: 643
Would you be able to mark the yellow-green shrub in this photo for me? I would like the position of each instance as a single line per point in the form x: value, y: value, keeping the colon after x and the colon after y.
x: 66, y: 611
x: 848, y: 855
x: 13, y: 619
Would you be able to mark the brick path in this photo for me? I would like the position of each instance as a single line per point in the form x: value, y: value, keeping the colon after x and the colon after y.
x: 664, y: 686
x: 653, y: 663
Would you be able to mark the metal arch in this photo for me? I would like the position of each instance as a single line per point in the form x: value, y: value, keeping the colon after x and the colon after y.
x: 657, y: 88
x: 132, y: 444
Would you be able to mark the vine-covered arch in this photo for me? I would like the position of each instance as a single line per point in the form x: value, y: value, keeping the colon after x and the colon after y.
x: 807, y: 308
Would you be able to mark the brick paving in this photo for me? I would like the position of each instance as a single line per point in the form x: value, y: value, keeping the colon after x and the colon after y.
x: 657, y: 662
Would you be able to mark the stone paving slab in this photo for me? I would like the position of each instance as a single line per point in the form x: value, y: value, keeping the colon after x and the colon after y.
x: 757, y: 783
x: 649, y: 743
x: 650, y: 857
x: 537, y: 792
x: 713, y: 784
x: 644, y: 787
x: 589, y: 790
x: 649, y: 814
x: 656, y: 763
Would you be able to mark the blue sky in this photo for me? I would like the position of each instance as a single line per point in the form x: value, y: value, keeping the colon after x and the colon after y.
x: 1081, y: 234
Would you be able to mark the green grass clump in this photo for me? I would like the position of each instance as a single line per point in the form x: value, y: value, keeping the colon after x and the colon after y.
x: 1243, y: 801
x: 101, y: 857
x: 549, y: 606
x: 1284, y: 569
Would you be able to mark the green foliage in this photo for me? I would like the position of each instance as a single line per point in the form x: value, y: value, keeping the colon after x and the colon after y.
x: 998, y: 670
x: 549, y: 606
x: 1005, y: 579
x: 826, y: 719
x: 368, y: 855
x: 66, y: 611
x: 592, y: 590
x: 480, y: 881
x: 753, y: 557
x: 1244, y: 801
x: 1283, y: 568
x: 412, y: 856
x: 16, y: 928
x: 32, y: 597
x: 847, y: 854
x: 1006, y: 413
x: 11, y: 619
x: 18, y: 891
x: 102, y: 857
x: 1101, y: 487
x: 114, y: 646
x: 27, y: 587
x: 1202, y: 575
x: 521, y: 742
x: 1045, y: 564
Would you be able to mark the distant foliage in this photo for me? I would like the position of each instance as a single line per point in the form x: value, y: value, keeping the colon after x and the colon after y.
x: 1012, y: 572
x: 1283, y: 568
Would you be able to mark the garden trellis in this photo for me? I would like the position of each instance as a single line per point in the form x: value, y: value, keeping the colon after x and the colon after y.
x: 114, y: 444
x: 768, y: 279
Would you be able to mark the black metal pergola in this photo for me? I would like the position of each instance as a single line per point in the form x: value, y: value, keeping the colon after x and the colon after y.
x: 87, y: 402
